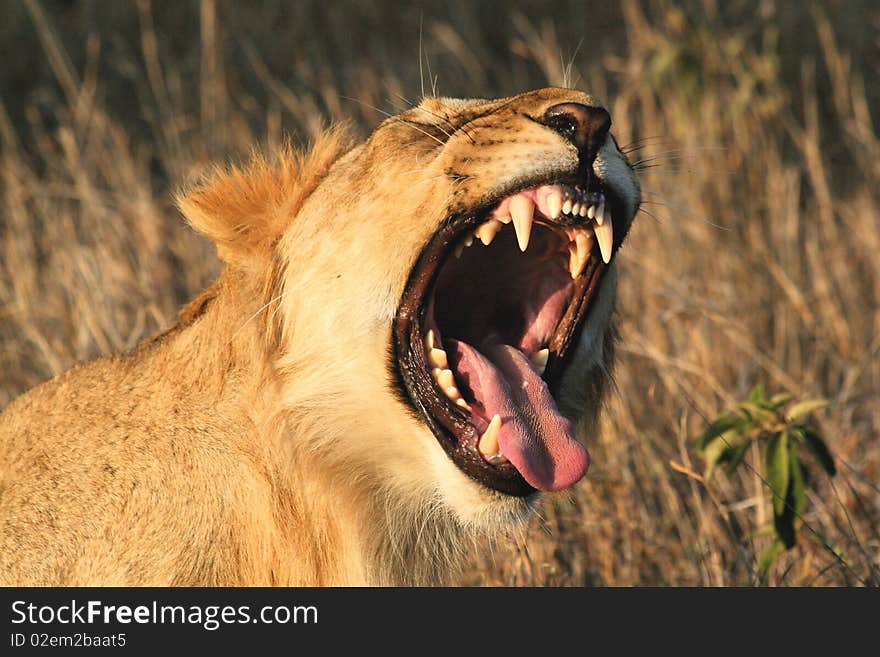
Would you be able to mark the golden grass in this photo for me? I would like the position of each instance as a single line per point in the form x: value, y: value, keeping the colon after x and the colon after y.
x: 758, y: 262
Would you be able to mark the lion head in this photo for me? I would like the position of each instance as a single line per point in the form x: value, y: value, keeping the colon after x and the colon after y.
x: 436, y: 301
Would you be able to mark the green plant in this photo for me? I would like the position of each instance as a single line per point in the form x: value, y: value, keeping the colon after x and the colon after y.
x: 781, y: 425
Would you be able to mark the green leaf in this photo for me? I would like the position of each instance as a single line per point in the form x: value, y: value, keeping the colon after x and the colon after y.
x: 777, y: 401
x: 797, y: 496
x: 758, y: 413
x: 768, y: 556
x: 819, y: 449
x: 805, y: 408
x: 776, y: 468
x: 733, y: 455
x: 723, y: 424
x: 757, y: 394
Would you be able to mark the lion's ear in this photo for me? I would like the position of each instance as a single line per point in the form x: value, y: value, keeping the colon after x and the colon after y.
x: 245, y: 209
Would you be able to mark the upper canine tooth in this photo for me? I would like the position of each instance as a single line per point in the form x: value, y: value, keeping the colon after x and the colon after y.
x: 539, y: 360
x: 566, y: 207
x: 522, y: 211
x: 579, y: 253
x: 437, y: 358
x: 488, y: 444
x: 600, y: 213
x: 488, y: 231
x: 554, y: 204
x: 605, y: 236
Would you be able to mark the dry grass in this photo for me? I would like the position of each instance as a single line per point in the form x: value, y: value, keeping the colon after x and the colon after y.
x: 758, y: 261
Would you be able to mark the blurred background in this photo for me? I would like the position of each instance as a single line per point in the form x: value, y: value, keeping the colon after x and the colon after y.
x: 755, y: 260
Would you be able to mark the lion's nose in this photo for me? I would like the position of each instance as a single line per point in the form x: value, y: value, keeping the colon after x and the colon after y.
x: 582, y: 125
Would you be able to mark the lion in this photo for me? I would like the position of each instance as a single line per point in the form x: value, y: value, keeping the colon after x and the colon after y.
x: 407, y: 346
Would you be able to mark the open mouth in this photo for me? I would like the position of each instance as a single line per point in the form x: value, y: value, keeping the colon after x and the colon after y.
x: 483, y: 331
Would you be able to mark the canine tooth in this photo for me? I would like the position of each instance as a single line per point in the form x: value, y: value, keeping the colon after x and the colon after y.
x: 580, y: 254
x: 522, y: 211
x: 554, y: 204
x: 452, y: 393
x: 437, y: 358
x: 566, y: 207
x: 539, y: 360
x: 605, y: 236
x: 488, y: 231
x: 488, y: 444
x: 445, y: 378
x: 600, y: 214
x: 591, y: 211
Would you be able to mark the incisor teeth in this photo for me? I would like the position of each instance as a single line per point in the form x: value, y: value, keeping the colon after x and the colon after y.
x: 488, y: 231
x: 566, y: 207
x: 579, y: 253
x: 539, y: 360
x: 488, y: 444
x: 554, y: 204
x: 600, y: 214
x: 583, y: 211
x: 522, y: 211
x: 605, y: 236
x: 576, y: 209
x: 591, y: 211
x: 437, y: 358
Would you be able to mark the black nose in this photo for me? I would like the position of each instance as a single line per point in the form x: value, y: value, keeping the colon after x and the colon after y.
x: 582, y: 125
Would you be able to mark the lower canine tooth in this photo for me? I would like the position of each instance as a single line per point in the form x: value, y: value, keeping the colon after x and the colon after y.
x: 539, y: 360
x: 488, y: 231
x: 605, y: 236
x: 488, y: 444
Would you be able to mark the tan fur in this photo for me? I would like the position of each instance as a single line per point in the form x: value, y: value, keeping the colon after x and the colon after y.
x: 259, y: 440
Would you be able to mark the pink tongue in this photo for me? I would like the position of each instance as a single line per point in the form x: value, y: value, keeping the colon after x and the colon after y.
x: 534, y: 437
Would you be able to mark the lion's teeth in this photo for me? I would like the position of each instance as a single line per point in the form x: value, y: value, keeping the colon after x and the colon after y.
x: 600, y: 214
x: 566, y: 207
x: 576, y: 209
x: 437, y: 358
x: 504, y: 220
x: 429, y: 340
x: 461, y: 402
x: 583, y: 211
x: 488, y: 444
x: 444, y: 378
x: 452, y: 393
x: 554, y: 204
x: 605, y: 236
x: 468, y: 239
x: 522, y: 211
x: 539, y: 360
x: 579, y: 253
x: 591, y: 211
x: 488, y: 231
